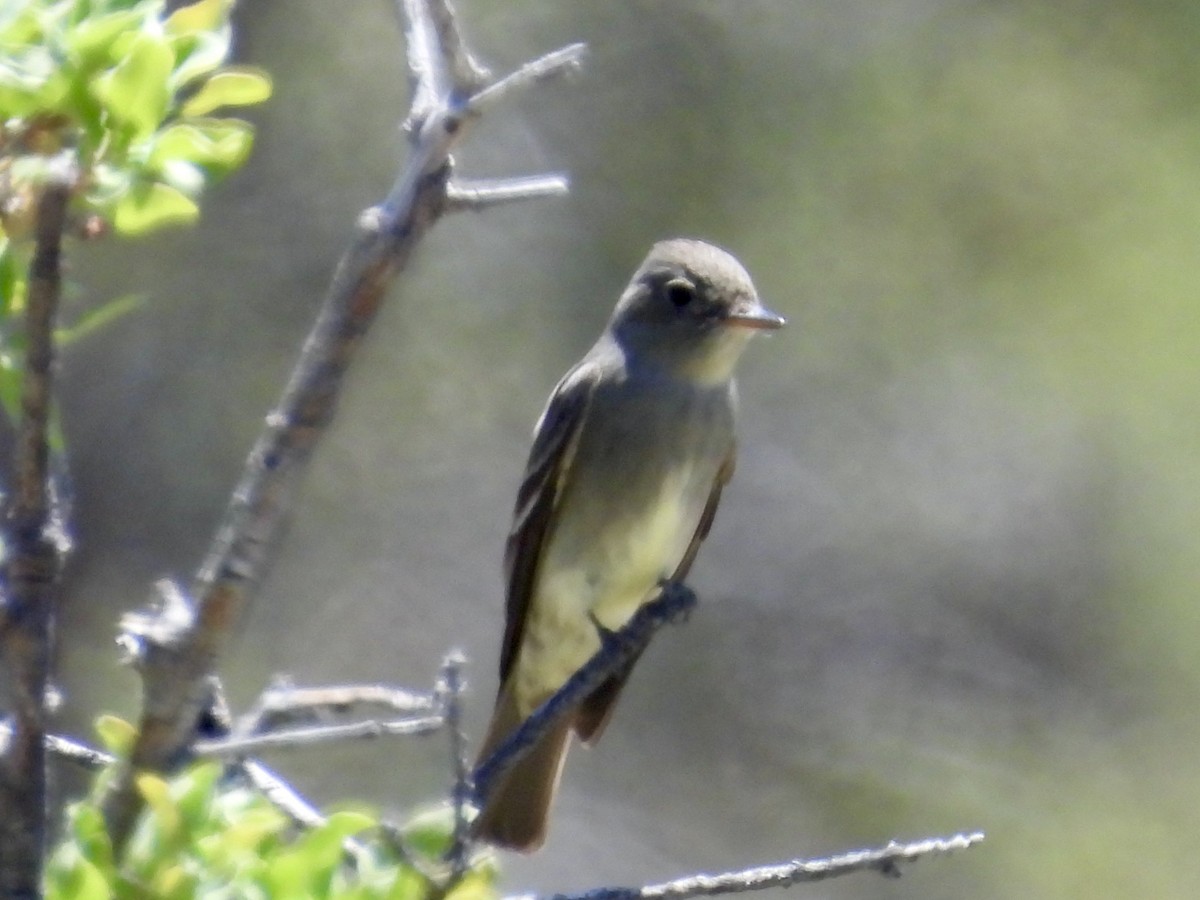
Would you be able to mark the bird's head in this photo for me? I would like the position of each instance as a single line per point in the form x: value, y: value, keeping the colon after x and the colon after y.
x: 691, y: 309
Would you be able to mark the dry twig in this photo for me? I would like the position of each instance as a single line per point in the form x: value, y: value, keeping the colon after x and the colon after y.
x: 885, y: 860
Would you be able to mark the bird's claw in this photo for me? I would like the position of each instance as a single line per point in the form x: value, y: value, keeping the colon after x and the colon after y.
x: 608, y: 637
x: 683, y: 614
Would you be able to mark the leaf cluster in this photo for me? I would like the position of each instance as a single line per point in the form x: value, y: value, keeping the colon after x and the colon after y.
x: 120, y: 100
x: 127, y: 95
x: 205, y: 834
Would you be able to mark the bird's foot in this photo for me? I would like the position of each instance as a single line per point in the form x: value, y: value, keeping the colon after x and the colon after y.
x: 609, y: 639
x: 678, y: 599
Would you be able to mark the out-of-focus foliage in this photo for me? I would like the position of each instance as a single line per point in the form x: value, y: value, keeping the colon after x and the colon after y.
x: 203, y: 836
x: 116, y: 96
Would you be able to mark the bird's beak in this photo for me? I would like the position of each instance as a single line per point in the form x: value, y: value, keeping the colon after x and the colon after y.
x: 752, y: 314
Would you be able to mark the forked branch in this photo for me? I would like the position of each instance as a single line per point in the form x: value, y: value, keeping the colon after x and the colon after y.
x: 175, y: 670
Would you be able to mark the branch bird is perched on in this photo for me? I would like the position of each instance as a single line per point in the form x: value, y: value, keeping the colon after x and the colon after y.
x: 627, y: 466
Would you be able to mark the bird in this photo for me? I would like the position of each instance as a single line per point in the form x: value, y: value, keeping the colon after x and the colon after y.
x: 628, y: 462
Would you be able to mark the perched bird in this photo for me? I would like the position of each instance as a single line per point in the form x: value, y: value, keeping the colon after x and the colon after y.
x: 628, y: 462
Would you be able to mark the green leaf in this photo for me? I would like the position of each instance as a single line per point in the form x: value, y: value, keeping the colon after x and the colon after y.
x: 430, y: 830
x: 148, y: 206
x: 10, y: 388
x: 136, y: 92
x: 91, y: 836
x: 194, y: 789
x: 20, y: 27
x: 157, y: 794
x: 12, y: 281
x: 409, y: 885
x: 90, y: 43
x: 185, y: 177
x: 30, y: 81
x: 108, y: 184
x: 199, y: 54
x: 115, y: 734
x: 220, y: 145
x: 288, y: 874
x: 54, y: 432
x: 95, y: 319
x: 71, y: 877
x: 474, y: 886
x: 204, y: 15
x: 234, y: 86
x: 173, y: 882
x: 322, y: 846
x: 247, y: 832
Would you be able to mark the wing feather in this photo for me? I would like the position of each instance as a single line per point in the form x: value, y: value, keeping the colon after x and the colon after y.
x: 555, y: 441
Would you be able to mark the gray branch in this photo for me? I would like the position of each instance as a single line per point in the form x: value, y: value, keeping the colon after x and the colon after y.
x: 450, y: 688
x: 885, y: 860
x: 79, y: 753
x: 294, y: 738
x: 283, y: 702
x: 477, y: 196
x: 565, y: 61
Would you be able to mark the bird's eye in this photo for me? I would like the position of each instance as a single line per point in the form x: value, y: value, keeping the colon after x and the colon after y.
x: 680, y: 292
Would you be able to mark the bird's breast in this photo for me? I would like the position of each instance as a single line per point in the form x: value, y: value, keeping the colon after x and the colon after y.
x: 631, y: 503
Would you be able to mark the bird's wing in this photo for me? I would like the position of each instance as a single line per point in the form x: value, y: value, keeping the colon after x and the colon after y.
x: 555, y: 441
x: 597, y: 709
x: 724, y: 473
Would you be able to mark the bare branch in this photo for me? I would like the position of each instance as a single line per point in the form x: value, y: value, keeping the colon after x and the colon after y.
x: 283, y: 702
x: 282, y: 795
x: 32, y: 564
x: 439, y: 63
x: 450, y: 688
x: 78, y: 752
x: 66, y: 749
x: 466, y: 73
x: 885, y: 860
x: 564, y: 61
x: 293, y: 738
x: 616, y: 650
x: 477, y: 196
x: 176, y: 693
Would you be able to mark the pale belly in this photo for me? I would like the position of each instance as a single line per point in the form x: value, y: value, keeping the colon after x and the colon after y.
x: 605, y: 573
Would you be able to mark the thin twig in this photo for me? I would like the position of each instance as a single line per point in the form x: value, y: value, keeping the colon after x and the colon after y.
x: 467, y: 75
x: 617, y: 649
x: 32, y: 564
x: 885, y: 860
x: 283, y: 702
x: 295, y: 738
x: 477, y: 196
x: 450, y: 689
x: 281, y: 795
x: 67, y: 749
x: 79, y: 753
x: 174, y: 695
x: 552, y: 65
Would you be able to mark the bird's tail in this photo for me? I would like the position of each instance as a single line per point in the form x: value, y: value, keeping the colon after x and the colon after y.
x: 515, y: 811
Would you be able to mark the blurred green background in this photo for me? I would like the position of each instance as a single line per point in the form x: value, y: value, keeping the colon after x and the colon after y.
x: 953, y: 583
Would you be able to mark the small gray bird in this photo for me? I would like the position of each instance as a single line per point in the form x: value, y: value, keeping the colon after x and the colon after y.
x: 628, y: 462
